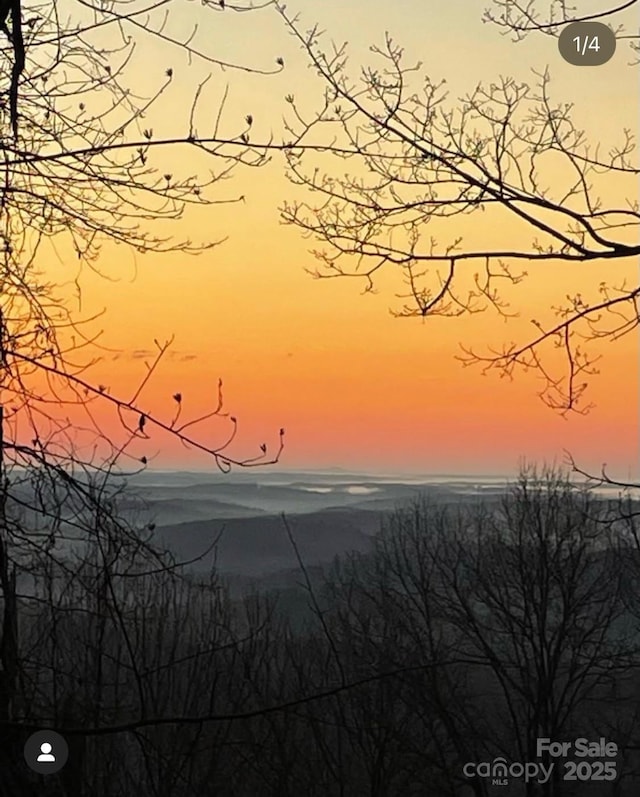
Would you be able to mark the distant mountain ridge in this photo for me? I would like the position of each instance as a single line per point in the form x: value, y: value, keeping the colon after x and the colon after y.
x: 259, y: 546
x: 329, y: 516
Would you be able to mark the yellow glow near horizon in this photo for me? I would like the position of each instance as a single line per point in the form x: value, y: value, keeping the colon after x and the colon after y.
x: 354, y: 386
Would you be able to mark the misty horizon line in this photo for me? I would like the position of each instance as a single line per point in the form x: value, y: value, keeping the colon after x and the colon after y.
x: 328, y: 470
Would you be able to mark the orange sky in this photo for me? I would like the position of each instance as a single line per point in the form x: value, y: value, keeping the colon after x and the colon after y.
x: 354, y: 386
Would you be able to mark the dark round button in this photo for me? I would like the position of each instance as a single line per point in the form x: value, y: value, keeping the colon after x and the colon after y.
x: 587, y: 43
x: 46, y: 752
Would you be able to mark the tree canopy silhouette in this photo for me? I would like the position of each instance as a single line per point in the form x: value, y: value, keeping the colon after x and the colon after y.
x: 422, y: 166
x: 80, y: 168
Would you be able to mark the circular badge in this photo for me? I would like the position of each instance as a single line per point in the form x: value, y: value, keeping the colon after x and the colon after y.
x: 587, y: 43
x: 46, y: 752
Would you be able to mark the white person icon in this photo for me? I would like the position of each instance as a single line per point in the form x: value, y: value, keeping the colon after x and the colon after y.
x: 46, y: 752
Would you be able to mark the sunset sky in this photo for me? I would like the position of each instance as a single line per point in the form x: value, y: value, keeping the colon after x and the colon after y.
x: 353, y: 386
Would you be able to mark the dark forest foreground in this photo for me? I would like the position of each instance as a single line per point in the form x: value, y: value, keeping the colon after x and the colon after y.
x: 468, y: 635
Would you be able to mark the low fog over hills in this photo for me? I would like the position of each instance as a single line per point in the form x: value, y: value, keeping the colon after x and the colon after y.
x: 235, y: 521
x: 329, y: 513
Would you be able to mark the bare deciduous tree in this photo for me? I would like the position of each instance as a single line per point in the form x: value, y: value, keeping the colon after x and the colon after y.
x: 516, y: 610
x: 81, y: 167
x: 522, y: 17
x: 424, y: 168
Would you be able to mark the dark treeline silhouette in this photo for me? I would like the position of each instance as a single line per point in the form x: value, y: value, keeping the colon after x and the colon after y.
x: 466, y: 635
